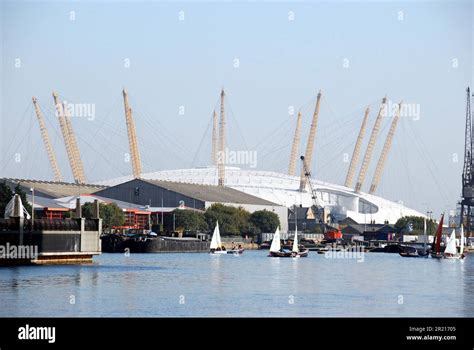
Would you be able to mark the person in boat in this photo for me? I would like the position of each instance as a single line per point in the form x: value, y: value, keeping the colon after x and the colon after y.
x: 223, y: 248
x: 240, y: 246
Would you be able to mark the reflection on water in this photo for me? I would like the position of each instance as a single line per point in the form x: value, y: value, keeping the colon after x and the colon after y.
x: 248, y: 285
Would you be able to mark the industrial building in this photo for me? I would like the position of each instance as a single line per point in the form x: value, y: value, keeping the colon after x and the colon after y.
x: 144, y: 202
x: 49, y: 198
x: 157, y: 196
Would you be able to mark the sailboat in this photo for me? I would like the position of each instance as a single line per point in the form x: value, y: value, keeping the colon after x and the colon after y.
x: 216, y: 246
x: 451, y: 251
x: 295, y: 251
x: 275, y: 248
x: 436, y: 248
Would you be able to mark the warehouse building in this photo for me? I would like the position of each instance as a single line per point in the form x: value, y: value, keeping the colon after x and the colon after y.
x: 143, y: 202
x: 159, y: 196
x: 48, y: 198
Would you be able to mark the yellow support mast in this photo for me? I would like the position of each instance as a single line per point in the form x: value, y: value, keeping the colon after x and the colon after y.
x: 75, y: 149
x: 64, y: 131
x: 295, y: 146
x: 385, y: 150
x: 132, y: 138
x: 370, y: 146
x: 49, y: 149
x: 221, y: 156
x: 356, y: 153
x: 310, y: 145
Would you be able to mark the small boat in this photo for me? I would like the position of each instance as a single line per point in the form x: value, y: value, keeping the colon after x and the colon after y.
x: 436, y: 248
x: 295, y: 251
x: 451, y: 251
x: 412, y: 252
x: 275, y: 248
x: 409, y: 252
x: 216, y: 247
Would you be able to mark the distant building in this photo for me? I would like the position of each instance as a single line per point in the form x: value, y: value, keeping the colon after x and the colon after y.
x: 47, y: 193
x: 345, y: 222
x: 54, y: 200
x: 370, y: 232
x: 144, y: 202
x: 157, y: 195
x: 304, y: 218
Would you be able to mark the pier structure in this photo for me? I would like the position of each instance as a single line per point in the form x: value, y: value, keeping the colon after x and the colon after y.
x: 42, y: 241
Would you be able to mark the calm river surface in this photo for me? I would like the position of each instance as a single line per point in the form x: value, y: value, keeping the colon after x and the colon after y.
x: 249, y: 285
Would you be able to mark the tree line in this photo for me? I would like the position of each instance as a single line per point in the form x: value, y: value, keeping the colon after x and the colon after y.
x: 234, y: 221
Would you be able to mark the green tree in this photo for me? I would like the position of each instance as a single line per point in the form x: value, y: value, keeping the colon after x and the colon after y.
x: 417, y: 222
x: 264, y: 221
x: 111, y: 214
x: 232, y: 220
x: 6, y: 195
x: 190, y: 220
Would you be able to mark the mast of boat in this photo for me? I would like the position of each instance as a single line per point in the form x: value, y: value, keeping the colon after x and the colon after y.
x: 437, y: 239
x: 295, y: 241
x: 425, y: 237
x: 461, y: 248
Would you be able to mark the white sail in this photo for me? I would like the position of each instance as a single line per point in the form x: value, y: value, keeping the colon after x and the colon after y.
x: 295, y: 242
x: 461, y: 249
x: 10, y: 209
x: 216, y: 238
x: 218, y: 234
x: 451, y: 245
x: 276, y: 246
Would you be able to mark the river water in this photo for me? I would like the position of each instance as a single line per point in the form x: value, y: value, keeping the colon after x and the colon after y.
x: 198, y: 284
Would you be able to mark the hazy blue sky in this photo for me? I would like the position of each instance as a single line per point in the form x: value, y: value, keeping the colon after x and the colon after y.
x: 356, y: 52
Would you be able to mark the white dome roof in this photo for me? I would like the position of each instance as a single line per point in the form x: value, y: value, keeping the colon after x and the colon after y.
x: 283, y: 189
